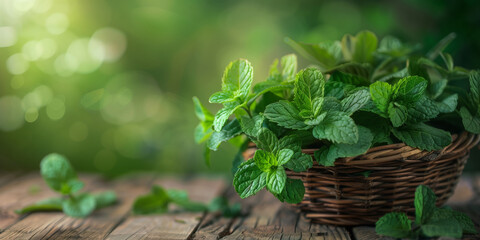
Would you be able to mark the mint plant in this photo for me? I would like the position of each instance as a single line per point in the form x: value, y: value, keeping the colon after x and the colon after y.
x: 158, y: 200
x: 60, y: 177
x: 430, y: 221
x: 360, y: 92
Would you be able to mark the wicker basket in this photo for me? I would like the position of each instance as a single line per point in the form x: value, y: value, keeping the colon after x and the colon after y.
x: 341, y: 195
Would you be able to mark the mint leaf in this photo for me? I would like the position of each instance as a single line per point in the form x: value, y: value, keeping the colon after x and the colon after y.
x: 79, y: 206
x: 395, y: 225
x: 284, y: 156
x: 285, y: 114
x: 442, y: 228
x: 267, y: 141
x: 251, y: 126
x: 104, y: 199
x: 397, y: 114
x: 229, y: 131
x: 293, y: 191
x: 326, y: 54
x: 465, y: 222
x: 222, y: 116
x: 276, y: 180
x: 237, y: 78
x: 448, y: 104
x: 423, y: 136
x: 338, y: 128
x: 202, y: 132
x: 309, y: 85
x: 265, y: 160
x: 381, y: 93
x: 51, y: 204
x: 470, y: 122
x: 204, y: 128
x: 409, y: 89
x: 355, y: 101
x: 423, y: 110
x: 424, y: 204
x: 249, y: 179
x: 323, y: 158
x: 474, y: 79
x: 59, y: 174
x: 289, y: 67
x: 436, y: 88
x: 300, y: 162
x: 155, y: 202
x: 222, y: 97
x: 365, y: 45
x: 202, y: 113
x: 317, y: 120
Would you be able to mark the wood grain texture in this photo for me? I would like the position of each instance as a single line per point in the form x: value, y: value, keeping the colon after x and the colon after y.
x: 179, y: 225
x: 96, y: 226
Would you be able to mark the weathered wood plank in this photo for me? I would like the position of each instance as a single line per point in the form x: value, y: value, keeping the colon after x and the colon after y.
x: 174, y: 225
x: 6, y: 177
x: 96, y: 226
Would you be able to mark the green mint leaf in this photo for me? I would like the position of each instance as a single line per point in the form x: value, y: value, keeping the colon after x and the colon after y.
x: 285, y: 114
x: 424, y: 204
x: 381, y: 93
x: 336, y: 89
x: 338, y: 128
x: 309, y: 85
x: 423, y: 110
x: 51, y: 204
x: 378, y: 126
x: 59, y: 174
x: 293, y: 191
x: 267, y: 141
x: 289, y: 67
x: 327, y: 55
x: 222, y: 116
x: 284, y: 156
x: 348, y: 79
x: 316, y: 121
x: 474, y: 79
x: 436, y: 88
x: 251, y: 126
x: 448, y: 104
x: 365, y: 45
x: 465, y: 222
x: 276, y: 179
x: 155, y: 202
x: 423, y: 136
x: 265, y: 160
x: 181, y: 199
x: 355, y: 101
x: 79, y: 206
x: 328, y: 156
x: 222, y: 97
x: 300, y: 162
x: 395, y: 225
x: 269, y: 86
x: 409, y: 89
x: 202, y: 132
x: 397, y: 114
x: 104, y: 199
x: 249, y: 179
x: 202, y: 113
x: 442, y: 228
x: 470, y: 122
x: 229, y: 131
x: 221, y: 204
x: 237, y: 78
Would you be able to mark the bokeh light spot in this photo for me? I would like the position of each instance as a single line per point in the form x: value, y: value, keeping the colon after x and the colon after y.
x: 11, y: 113
x: 49, y: 47
x: 8, y: 36
x: 17, y: 82
x: 17, y: 64
x: 79, y: 52
x: 78, y: 131
x: 31, y: 115
x: 32, y: 50
x: 56, y: 109
x: 107, y: 44
x: 23, y: 5
x: 57, y: 23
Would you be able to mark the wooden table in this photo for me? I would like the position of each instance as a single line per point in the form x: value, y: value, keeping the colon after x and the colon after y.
x: 264, y: 217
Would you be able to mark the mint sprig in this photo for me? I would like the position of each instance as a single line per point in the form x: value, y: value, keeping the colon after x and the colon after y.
x: 430, y: 221
x: 60, y: 177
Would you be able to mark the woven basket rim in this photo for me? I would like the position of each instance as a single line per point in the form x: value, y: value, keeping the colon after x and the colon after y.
x: 401, y: 152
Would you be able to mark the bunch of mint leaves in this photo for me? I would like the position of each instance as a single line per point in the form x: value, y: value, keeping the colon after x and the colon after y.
x: 430, y: 221
x: 360, y: 93
x: 158, y: 200
x: 60, y: 176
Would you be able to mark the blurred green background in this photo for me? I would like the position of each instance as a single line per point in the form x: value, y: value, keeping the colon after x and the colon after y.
x: 109, y: 83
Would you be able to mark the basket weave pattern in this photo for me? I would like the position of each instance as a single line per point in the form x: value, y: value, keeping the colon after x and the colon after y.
x: 342, y: 195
